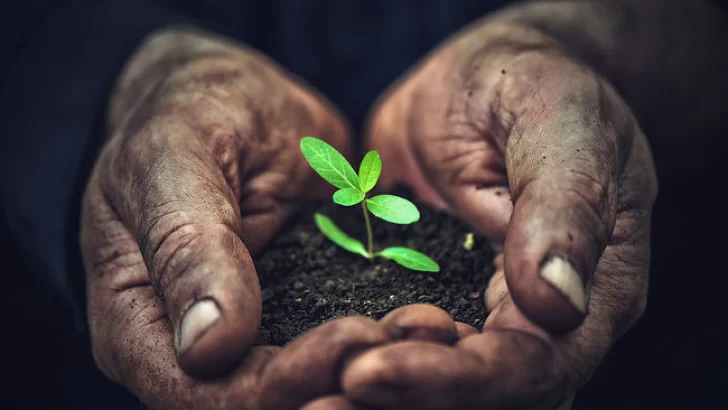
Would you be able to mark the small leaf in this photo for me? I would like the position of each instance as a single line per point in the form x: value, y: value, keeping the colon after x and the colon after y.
x: 331, y: 231
x: 393, y: 209
x: 329, y: 163
x: 369, y: 170
x: 410, y: 259
x: 348, y: 196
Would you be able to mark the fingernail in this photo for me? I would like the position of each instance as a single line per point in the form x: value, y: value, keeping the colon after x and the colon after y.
x: 196, y: 321
x: 562, y: 275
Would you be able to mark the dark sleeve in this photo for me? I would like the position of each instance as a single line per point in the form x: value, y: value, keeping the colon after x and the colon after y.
x: 51, y: 105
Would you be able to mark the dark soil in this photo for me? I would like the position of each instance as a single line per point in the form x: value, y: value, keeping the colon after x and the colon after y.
x: 307, y: 280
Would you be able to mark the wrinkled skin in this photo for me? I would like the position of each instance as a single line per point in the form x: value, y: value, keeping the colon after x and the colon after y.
x: 530, y: 147
x: 199, y: 171
x: 539, y: 153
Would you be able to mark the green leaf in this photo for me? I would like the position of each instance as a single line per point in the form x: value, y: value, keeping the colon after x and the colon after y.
x: 393, y: 209
x: 369, y: 170
x: 410, y: 259
x: 331, y: 231
x: 329, y: 163
x: 348, y: 196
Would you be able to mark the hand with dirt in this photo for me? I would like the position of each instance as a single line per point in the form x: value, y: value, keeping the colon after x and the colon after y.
x: 203, y: 151
x: 504, y: 127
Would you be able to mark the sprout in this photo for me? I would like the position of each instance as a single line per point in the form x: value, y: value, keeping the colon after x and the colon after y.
x: 353, y: 190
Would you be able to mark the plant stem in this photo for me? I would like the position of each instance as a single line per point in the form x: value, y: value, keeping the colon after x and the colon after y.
x: 370, y: 240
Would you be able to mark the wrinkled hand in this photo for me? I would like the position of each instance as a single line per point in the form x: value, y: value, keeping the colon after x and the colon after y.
x: 534, y: 149
x: 201, y: 168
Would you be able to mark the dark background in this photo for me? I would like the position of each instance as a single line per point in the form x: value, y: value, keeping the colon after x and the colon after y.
x: 57, y: 61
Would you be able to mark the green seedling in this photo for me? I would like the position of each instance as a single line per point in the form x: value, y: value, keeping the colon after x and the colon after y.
x: 353, y: 189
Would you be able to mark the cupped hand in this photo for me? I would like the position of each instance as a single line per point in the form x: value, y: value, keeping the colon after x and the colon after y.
x: 201, y: 167
x: 505, y: 128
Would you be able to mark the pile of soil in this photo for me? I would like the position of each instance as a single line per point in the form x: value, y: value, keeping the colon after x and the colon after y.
x: 306, y: 279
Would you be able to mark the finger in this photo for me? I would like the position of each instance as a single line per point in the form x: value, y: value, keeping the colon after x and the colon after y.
x: 496, y: 291
x: 131, y: 335
x: 144, y: 356
x: 513, y: 364
x: 487, y: 207
x: 497, y: 288
x: 178, y: 205
x: 309, y: 367
x: 508, y: 369
x: 563, y: 164
x: 465, y: 330
x: 421, y: 322
x: 338, y: 402
x: 498, y: 261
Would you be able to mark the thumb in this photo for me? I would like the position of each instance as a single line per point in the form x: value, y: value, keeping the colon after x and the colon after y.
x: 187, y: 221
x: 563, y: 170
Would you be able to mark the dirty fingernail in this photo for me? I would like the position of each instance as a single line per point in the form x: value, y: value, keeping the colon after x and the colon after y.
x: 196, y: 321
x: 562, y: 275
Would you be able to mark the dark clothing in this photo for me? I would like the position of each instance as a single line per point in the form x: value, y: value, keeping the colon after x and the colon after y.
x: 65, y: 56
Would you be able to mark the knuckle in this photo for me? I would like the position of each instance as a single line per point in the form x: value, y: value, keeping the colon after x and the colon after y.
x: 631, y: 229
x: 121, y: 263
x: 535, y: 73
x: 174, y: 247
x: 176, y: 242
x: 353, y: 331
x: 470, y: 162
x: 594, y: 197
x: 588, y: 190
